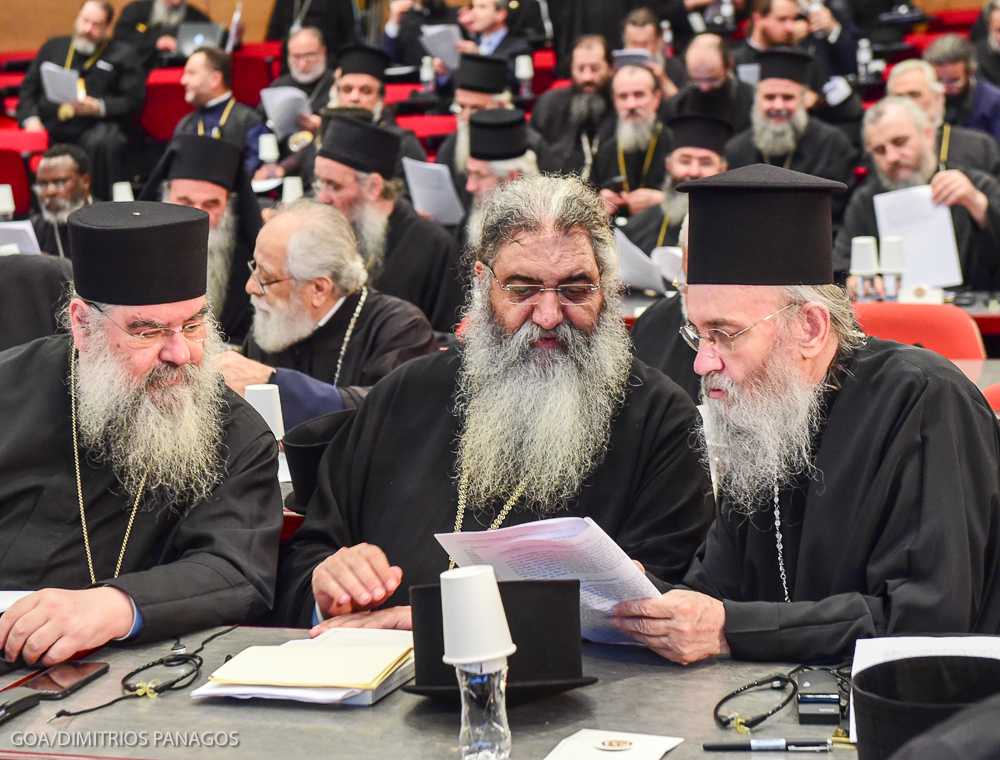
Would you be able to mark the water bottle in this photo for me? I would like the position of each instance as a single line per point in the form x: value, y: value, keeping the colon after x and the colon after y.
x: 427, y: 74
x: 728, y: 15
x: 667, y: 33
x: 864, y: 58
x: 485, y: 734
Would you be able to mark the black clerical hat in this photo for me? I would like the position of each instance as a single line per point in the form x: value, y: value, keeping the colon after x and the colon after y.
x: 498, y: 134
x: 205, y: 158
x: 897, y: 700
x: 700, y: 131
x: 785, y: 63
x: 365, y: 147
x: 139, y: 253
x: 544, y: 620
x: 481, y: 73
x: 760, y: 225
x: 361, y: 59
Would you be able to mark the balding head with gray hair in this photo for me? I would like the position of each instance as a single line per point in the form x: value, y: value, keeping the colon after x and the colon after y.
x: 907, y: 107
x: 323, y: 246
x: 914, y: 64
x: 951, y: 48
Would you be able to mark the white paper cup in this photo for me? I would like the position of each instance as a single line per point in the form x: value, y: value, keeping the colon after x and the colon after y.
x: 291, y: 189
x: 892, y: 257
x: 267, y: 148
x: 122, y: 191
x: 267, y: 401
x: 474, y: 623
x: 6, y: 200
x: 524, y: 67
x: 864, y: 256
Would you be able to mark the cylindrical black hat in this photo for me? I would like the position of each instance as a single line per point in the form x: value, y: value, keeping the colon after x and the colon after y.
x: 498, y: 134
x: 785, y: 63
x: 361, y: 59
x: 139, y: 253
x: 481, y: 73
x: 362, y: 146
x: 760, y: 225
x: 206, y: 159
x: 700, y: 131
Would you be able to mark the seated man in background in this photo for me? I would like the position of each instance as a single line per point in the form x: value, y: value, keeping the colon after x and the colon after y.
x: 828, y: 529
x: 171, y: 522
x: 62, y: 185
x: 151, y: 26
x: 954, y: 145
x: 111, y: 90
x: 542, y: 412
x: 988, y: 48
x: 900, y: 140
x: 969, y: 101
x: 404, y: 27
x: 699, y: 151
x: 641, y: 31
x: 208, y: 174
x: 490, y: 33
x: 319, y: 332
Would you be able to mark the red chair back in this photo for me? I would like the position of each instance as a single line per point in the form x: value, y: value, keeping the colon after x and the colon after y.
x: 992, y: 393
x: 14, y: 173
x: 942, y: 328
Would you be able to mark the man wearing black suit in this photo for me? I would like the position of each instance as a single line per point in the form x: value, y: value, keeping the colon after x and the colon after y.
x: 335, y: 18
x: 151, y: 26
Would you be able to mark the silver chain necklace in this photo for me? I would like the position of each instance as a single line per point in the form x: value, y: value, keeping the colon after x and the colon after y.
x: 780, y: 546
x: 350, y: 331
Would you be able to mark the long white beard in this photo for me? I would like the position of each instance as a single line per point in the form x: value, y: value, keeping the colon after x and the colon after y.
x: 166, y: 16
x: 275, y: 328
x: 83, y: 45
x: 169, y: 434
x: 462, y: 136
x: 634, y: 134
x: 474, y: 224
x: 310, y: 75
x: 675, y: 203
x: 64, y: 207
x: 539, y: 416
x: 779, y: 139
x: 371, y: 228
x: 221, y: 244
x: 761, y: 434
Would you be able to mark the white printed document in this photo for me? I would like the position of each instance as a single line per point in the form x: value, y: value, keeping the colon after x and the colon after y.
x: 563, y: 548
x: 18, y: 237
x: 433, y: 191
x: 283, y: 106
x: 439, y: 41
x: 929, y: 247
x: 637, y: 270
x: 60, y: 84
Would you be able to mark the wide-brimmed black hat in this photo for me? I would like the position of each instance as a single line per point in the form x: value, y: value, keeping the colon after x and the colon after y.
x: 498, y: 134
x: 362, y: 146
x: 361, y: 59
x: 481, y: 73
x: 897, y: 700
x: 544, y: 620
x: 785, y: 63
x: 760, y: 225
x: 700, y: 131
x: 138, y: 253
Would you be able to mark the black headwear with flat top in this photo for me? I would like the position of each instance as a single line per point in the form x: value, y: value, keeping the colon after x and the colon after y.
x: 361, y: 59
x: 139, y: 253
x: 700, y: 131
x: 481, y: 73
x: 785, y: 63
x: 365, y: 147
x: 498, y: 134
x: 760, y: 225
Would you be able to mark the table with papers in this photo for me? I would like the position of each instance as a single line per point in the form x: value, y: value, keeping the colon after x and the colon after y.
x: 637, y: 692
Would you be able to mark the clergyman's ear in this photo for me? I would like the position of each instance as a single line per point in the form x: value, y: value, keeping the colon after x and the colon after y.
x: 814, y: 323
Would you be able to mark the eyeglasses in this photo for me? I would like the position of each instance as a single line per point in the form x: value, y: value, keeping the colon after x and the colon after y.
x: 719, y: 340
x: 194, y: 330
x: 255, y: 273
x: 320, y: 186
x: 58, y: 183
x: 573, y: 294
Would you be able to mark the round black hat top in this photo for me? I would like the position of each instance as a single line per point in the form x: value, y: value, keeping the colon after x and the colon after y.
x: 785, y: 63
x: 700, y: 131
x: 362, y: 146
x: 498, y: 134
x: 481, y: 73
x: 139, y: 253
x: 206, y: 159
x: 760, y: 225
x: 361, y: 59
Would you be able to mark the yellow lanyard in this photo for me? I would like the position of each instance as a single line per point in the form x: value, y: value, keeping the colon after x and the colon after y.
x: 217, y: 130
x: 89, y: 62
x: 646, y: 162
x: 945, y: 143
x: 663, y: 230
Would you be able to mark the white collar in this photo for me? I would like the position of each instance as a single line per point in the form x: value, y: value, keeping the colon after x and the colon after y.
x: 329, y: 315
x: 221, y: 99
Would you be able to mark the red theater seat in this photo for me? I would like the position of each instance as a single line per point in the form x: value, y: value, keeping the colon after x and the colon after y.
x: 165, y: 104
x: 942, y: 328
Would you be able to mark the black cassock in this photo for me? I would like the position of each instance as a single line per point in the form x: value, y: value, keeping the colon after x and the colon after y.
x: 133, y: 28
x: 607, y: 167
x: 211, y: 564
x: 968, y: 147
x: 659, y: 344
x: 562, y: 138
x: 898, y: 534
x: 32, y: 288
x: 421, y: 266
x: 52, y: 238
x: 389, y: 479
x: 732, y: 102
x: 648, y: 231
x: 978, y: 249
x: 822, y: 151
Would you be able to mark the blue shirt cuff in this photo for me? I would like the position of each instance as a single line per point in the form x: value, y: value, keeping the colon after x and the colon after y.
x: 136, y: 622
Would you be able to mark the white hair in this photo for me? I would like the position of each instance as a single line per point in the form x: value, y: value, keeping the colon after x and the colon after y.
x: 917, y: 116
x: 323, y: 245
x: 526, y: 166
x: 915, y: 64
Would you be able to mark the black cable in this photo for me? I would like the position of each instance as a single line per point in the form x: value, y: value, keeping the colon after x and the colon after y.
x: 744, y: 723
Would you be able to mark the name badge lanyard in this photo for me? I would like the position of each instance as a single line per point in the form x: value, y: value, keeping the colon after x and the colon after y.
x: 217, y: 129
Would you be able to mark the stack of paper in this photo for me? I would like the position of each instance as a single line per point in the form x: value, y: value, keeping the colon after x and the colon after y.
x: 355, y: 666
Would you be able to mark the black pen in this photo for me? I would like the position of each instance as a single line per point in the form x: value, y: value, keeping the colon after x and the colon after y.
x: 772, y: 745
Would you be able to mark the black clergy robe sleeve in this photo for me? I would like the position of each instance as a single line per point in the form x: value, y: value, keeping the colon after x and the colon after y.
x: 932, y: 513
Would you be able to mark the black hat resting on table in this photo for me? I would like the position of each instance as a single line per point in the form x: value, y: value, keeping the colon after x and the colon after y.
x: 139, y: 253
x: 760, y: 225
x: 498, y: 134
x: 785, y: 63
x: 365, y: 147
x: 481, y: 73
x: 700, y: 131
x: 361, y: 59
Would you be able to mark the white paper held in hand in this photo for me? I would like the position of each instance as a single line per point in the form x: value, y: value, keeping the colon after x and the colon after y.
x: 266, y: 399
x: 283, y: 106
x: 60, y: 84
x: 636, y: 268
x: 433, y: 191
x: 440, y: 41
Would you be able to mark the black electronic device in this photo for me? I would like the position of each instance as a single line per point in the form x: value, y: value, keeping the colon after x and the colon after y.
x: 818, y: 698
x: 56, y: 682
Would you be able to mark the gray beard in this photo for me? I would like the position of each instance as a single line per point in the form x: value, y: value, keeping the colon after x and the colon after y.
x: 586, y: 109
x: 165, y: 16
x: 538, y: 416
x: 760, y: 437
x: 62, y: 212
x: 675, y: 203
x: 308, y: 77
x: 462, y: 148
x: 474, y: 224
x: 371, y: 228
x: 634, y: 135
x: 922, y: 176
x: 168, y: 435
x: 276, y: 328
x: 778, y: 139
x: 83, y: 45
x: 221, y: 244
x: 993, y: 43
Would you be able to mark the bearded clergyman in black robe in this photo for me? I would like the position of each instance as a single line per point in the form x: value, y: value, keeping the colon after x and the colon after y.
x: 171, y: 521
x: 320, y: 333
x: 543, y: 410
x: 858, y: 479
